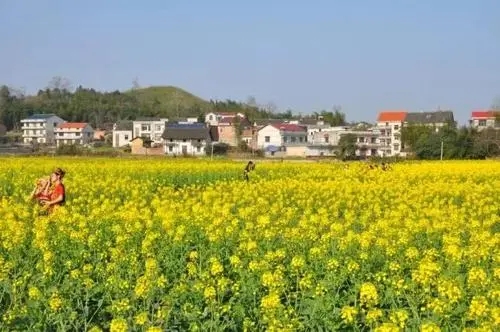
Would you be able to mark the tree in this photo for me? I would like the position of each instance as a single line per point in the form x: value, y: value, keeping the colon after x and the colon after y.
x: 334, y: 118
x: 347, y: 144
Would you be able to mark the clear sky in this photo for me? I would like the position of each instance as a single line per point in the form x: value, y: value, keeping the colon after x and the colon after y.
x: 365, y: 55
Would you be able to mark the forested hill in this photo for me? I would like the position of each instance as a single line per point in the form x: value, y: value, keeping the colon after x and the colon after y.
x: 97, y: 108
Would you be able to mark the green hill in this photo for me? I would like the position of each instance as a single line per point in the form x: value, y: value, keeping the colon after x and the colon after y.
x: 171, y: 100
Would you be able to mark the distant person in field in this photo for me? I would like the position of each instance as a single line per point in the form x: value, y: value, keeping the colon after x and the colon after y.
x: 250, y: 167
x: 57, y: 193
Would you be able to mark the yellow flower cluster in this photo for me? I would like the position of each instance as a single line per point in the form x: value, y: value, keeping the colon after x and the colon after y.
x: 153, y: 244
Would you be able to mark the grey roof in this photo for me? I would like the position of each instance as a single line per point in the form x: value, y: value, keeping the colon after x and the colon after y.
x: 186, y: 132
x: 147, y: 118
x: 40, y: 116
x: 124, y: 125
x: 430, y: 117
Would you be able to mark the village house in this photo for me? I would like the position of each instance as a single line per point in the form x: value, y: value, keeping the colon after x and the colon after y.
x: 73, y: 133
x: 326, y: 143
x: 122, y: 133
x: 389, y: 124
x: 151, y: 128
x: 40, y: 128
x: 213, y: 118
x: 485, y: 119
x: 186, y: 139
x: 288, y: 139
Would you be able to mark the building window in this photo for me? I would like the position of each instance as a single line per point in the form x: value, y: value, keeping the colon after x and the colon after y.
x: 184, y: 140
x: 145, y: 127
x: 55, y: 124
x: 327, y: 139
x: 61, y: 134
x: 374, y: 140
x: 361, y: 140
x: 77, y: 134
x: 396, y: 127
x: 267, y: 139
x: 285, y: 139
x: 293, y: 139
x: 482, y: 123
x: 126, y: 137
x: 198, y: 148
x: 301, y: 139
x: 158, y: 127
x: 170, y: 148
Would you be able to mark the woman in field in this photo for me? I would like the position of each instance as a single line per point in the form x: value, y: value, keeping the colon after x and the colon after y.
x: 53, y: 193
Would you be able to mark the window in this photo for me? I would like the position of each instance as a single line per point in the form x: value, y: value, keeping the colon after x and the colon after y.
x: 126, y: 137
x: 158, y: 127
x: 77, y: 134
x: 374, y: 140
x: 184, y: 140
x: 396, y: 127
x: 198, y: 148
x: 301, y: 139
x: 211, y: 117
x: 293, y: 139
x: 61, y: 134
x: 145, y: 127
x: 285, y: 139
x: 387, y: 124
x: 267, y: 139
x: 361, y: 139
x: 327, y: 139
x: 482, y: 123
x: 170, y: 148
x: 55, y: 124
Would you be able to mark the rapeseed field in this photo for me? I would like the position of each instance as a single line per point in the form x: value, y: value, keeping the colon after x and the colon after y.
x: 154, y: 245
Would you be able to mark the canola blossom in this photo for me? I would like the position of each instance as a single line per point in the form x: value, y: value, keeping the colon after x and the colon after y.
x: 161, y: 244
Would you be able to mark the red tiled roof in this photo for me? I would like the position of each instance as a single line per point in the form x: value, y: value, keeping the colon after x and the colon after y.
x: 484, y: 114
x: 288, y: 127
x: 72, y: 125
x: 392, y: 116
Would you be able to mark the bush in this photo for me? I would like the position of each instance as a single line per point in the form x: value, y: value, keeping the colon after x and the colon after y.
x: 69, y: 150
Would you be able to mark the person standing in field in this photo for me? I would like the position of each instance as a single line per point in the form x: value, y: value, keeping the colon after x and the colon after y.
x: 250, y: 167
x: 57, y: 196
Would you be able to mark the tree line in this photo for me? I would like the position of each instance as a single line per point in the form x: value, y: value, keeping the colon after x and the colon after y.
x: 453, y: 142
x: 98, y: 108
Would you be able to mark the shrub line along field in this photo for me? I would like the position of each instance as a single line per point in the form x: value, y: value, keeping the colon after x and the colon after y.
x: 154, y: 245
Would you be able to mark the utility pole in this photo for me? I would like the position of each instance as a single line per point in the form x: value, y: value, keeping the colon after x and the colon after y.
x: 212, y: 153
x: 442, y: 146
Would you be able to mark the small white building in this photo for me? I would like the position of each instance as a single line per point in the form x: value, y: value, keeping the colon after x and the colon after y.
x: 39, y: 128
x: 122, y: 133
x: 282, y: 137
x: 151, y: 128
x: 186, y: 139
x: 72, y: 133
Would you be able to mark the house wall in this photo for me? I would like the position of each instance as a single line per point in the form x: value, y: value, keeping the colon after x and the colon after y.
x: 227, y: 135
x: 179, y: 147
x: 211, y: 118
x: 390, y: 138
x: 483, y: 123
x: 99, y: 134
x: 121, y: 138
x: 296, y: 151
x: 273, y: 134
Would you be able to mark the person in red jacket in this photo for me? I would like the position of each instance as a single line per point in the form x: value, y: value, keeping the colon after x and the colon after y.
x: 57, y: 195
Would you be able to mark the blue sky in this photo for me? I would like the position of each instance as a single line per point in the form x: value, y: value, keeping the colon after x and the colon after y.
x: 364, y: 55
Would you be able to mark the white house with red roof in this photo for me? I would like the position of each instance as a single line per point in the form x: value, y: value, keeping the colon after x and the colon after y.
x: 485, y: 119
x: 389, y: 123
x: 73, y: 133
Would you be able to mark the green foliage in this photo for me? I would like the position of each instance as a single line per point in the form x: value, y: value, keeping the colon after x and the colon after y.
x: 347, y: 144
x: 99, y: 108
x: 458, y: 143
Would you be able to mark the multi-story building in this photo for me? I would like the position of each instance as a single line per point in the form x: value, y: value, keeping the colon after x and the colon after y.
x: 389, y: 125
x: 150, y: 128
x: 485, y: 119
x: 69, y: 133
x: 39, y: 128
x: 327, y: 143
